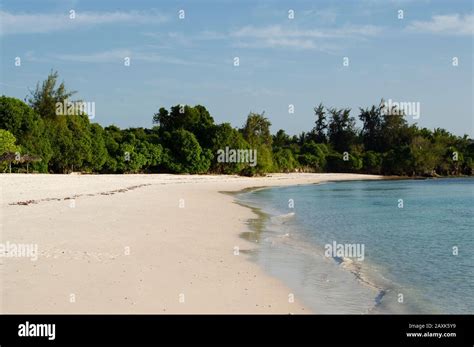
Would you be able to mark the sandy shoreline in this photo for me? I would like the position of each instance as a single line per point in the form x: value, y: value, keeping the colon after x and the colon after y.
x: 129, y: 244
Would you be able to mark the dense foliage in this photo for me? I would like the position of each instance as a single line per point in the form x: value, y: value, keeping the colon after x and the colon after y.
x: 186, y: 139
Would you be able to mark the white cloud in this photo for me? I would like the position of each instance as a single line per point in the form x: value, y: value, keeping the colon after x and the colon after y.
x: 327, y: 15
x: 212, y: 35
x: 272, y: 36
x: 285, y: 42
x: 98, y: 57
x: 452, y: 24
x: 37, y: 23
x: 278, y: 36
x: 118, y: 56
x: 277, y: 31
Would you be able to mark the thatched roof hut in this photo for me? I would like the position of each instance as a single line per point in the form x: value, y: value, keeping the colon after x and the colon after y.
x: 16, y: 157
x: 29, y: 158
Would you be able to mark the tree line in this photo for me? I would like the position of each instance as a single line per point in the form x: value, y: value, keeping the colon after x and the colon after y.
x: 185, y: 139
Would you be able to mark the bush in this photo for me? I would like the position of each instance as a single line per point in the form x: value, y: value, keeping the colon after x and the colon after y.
x: 372, y: 162
x: 284, y: 161
x: 185, y: 155
x: 336, y: 163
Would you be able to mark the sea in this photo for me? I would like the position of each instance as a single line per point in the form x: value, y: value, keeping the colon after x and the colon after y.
x: 404, y: 246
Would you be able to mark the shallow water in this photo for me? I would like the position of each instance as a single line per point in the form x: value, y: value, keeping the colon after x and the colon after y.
x: 408, y: 264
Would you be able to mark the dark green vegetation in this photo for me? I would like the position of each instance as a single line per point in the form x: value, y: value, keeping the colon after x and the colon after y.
x: 186, y: 140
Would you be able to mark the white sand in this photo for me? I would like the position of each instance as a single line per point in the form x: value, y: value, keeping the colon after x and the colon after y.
x: 174, y: 253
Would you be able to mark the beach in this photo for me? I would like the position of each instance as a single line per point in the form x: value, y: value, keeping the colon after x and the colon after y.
x: 138, y: 244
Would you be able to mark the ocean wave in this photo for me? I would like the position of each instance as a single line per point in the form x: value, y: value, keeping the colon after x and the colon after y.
x: 282, y: 218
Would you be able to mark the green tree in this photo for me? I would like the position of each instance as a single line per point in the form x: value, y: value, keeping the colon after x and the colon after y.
x: 284, y: 160
x: 398, y: 161
x: 321, y: 125
x: 372, y: 162
x: 81, y: 151
x: 196, y: 120
x: 281, y: 140
x: 153, y: 154
x: 313, y: 156
x: 394, y: 130
x: 131, y: 151
x: 7, y: 142
x: 225, y: 136
x: 29, y: 129
x: 46, y: 96
x: 185, y: 155
x: 132, y: 160
x: 69, y: 135
x: 186, y: 140
x: 371, y: 132
x: 336, y: 163
x: 256, y: 132
x: 7, y: 147
x: 424, y: 158
x: 99, y: 154
x: 341, y: 129
x: 113, y: 138
x: 61, y: 143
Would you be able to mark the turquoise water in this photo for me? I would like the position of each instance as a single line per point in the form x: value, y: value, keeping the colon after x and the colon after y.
x: 409, y: 265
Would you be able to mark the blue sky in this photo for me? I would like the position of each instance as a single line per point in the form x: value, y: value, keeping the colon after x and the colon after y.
x: 282, y: 61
